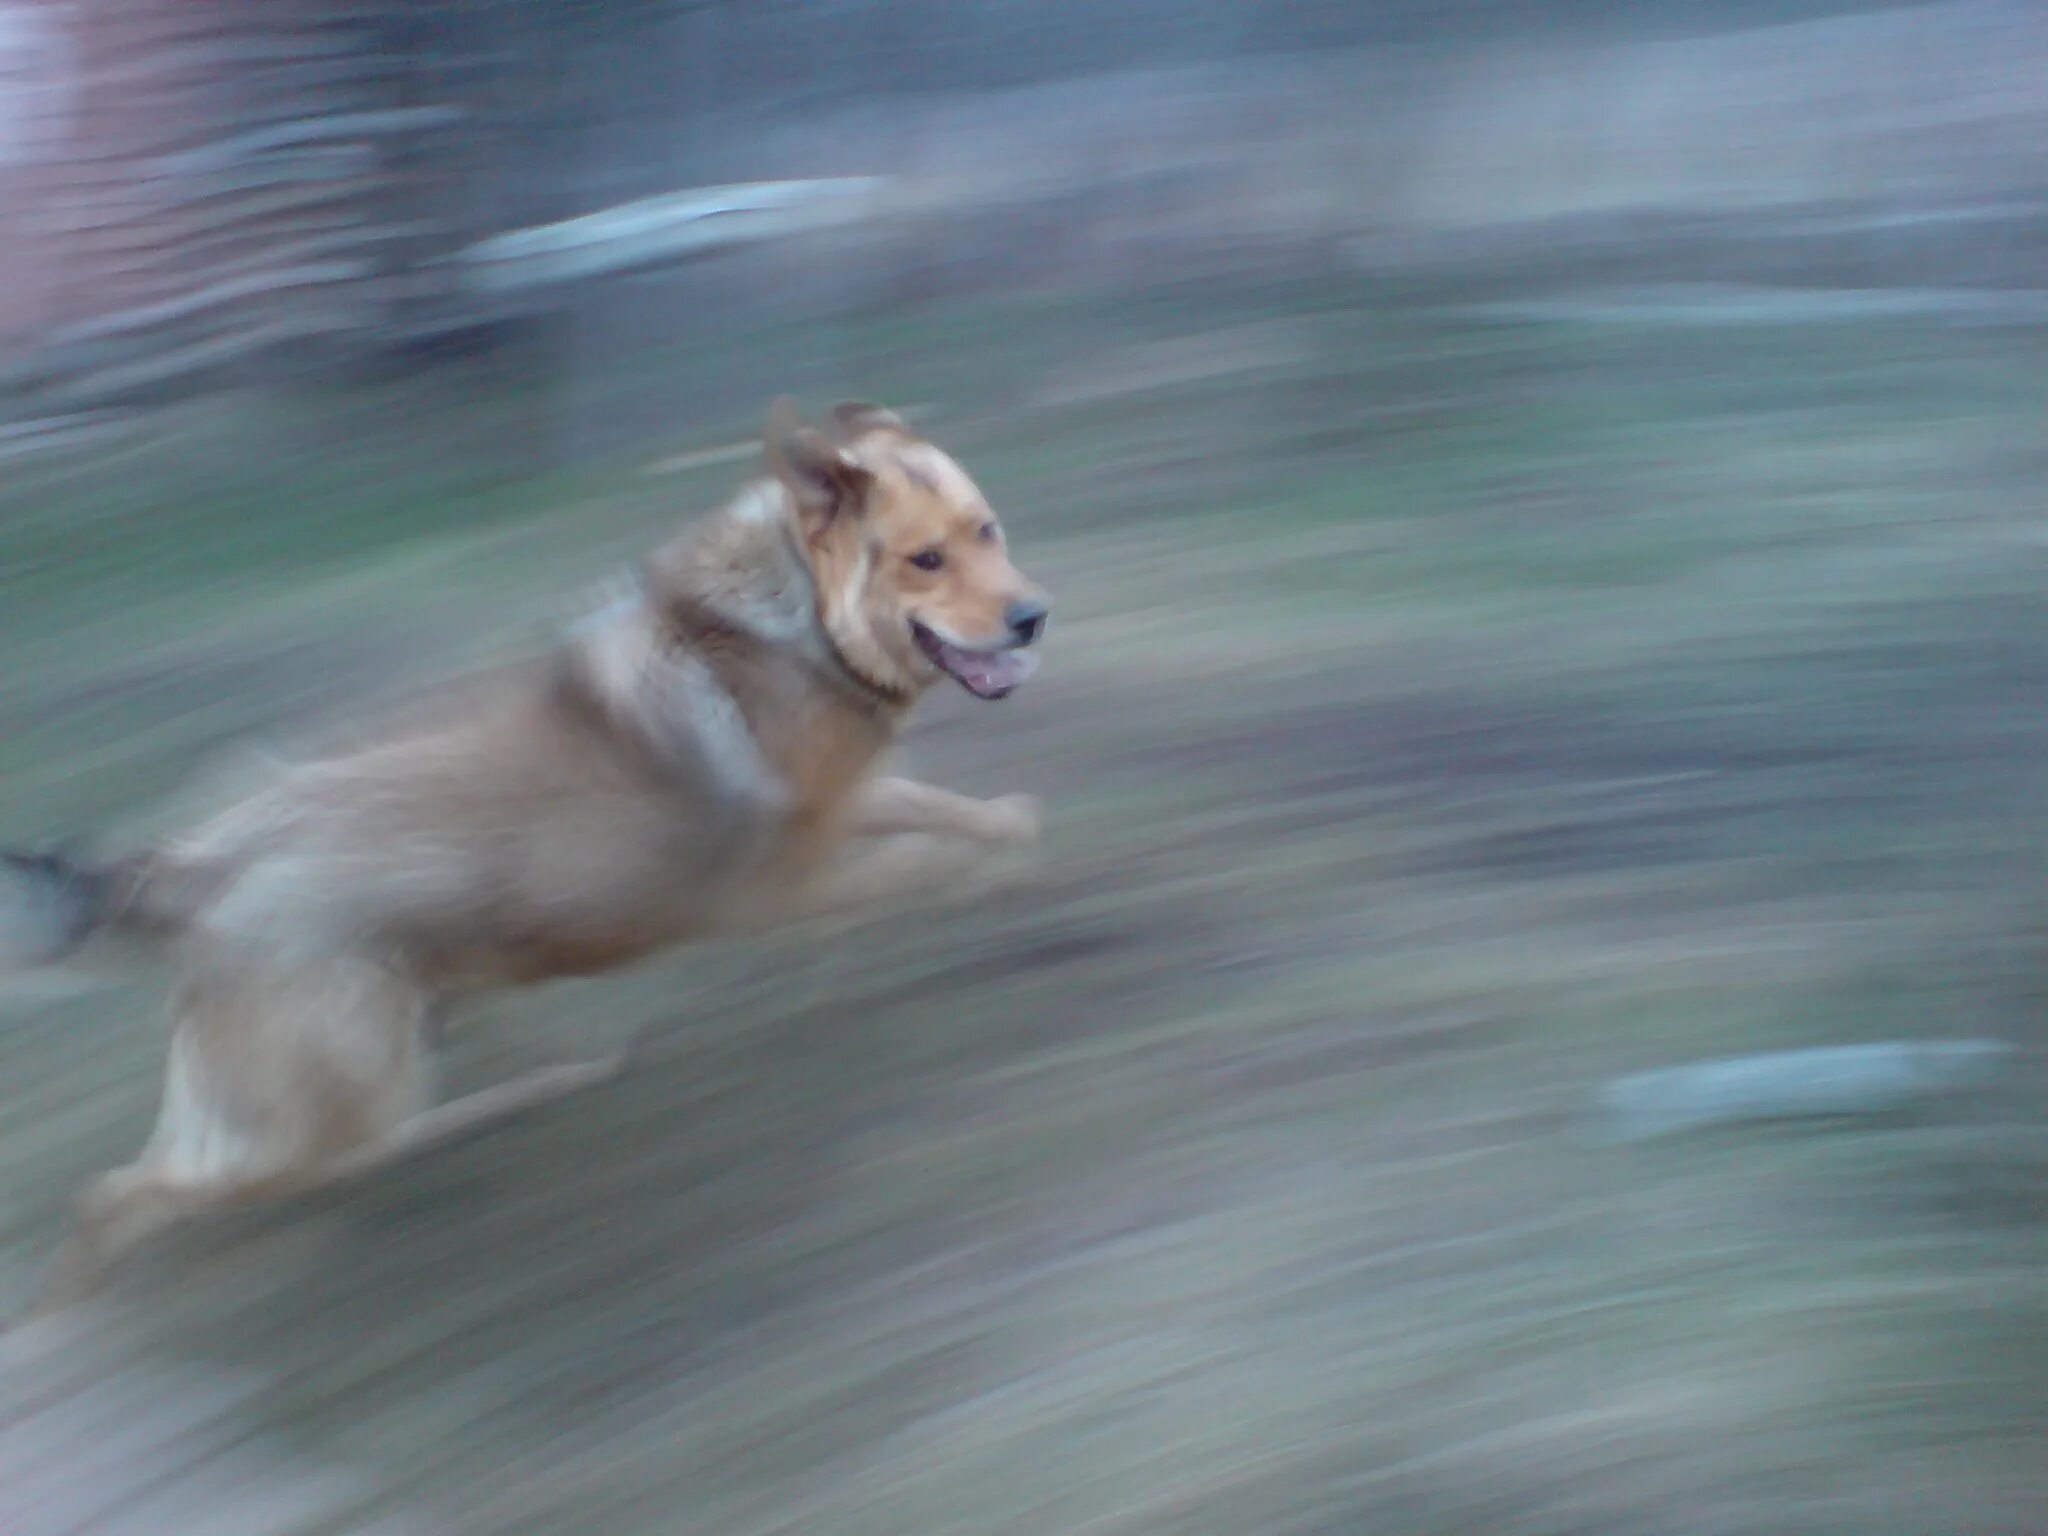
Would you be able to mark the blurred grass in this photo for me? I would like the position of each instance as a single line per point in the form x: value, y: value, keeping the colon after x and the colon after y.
x: 1441, y: 717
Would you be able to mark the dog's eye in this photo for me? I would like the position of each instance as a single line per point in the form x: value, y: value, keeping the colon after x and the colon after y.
x: 928, y: 560
x: 988, y: 533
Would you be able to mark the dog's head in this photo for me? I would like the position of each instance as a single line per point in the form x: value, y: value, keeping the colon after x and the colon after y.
x: 914, y: 577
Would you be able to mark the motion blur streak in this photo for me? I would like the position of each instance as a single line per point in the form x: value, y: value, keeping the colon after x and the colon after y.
x: 1545, y: 504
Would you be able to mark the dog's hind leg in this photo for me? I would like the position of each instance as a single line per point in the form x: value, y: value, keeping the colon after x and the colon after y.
x: 278, y: 1086
x: 472, y: 1112
x: 121, y: 1210
x: 272, y: 1075
x: 116, y: 1214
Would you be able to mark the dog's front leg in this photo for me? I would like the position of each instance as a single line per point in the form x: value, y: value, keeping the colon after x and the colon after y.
x: 885, y: 807
x: 881, y: 870
x: 902, y: 841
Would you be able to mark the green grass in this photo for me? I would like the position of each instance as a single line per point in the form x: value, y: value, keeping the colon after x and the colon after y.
x: 1437, y: 721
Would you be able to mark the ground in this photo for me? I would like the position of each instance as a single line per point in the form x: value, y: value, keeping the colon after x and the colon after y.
x: 1446, y: 709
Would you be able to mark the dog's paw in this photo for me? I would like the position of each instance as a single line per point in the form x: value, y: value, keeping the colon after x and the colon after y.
x: 1014, y: 821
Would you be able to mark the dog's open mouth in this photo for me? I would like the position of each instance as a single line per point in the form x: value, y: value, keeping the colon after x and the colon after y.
x: 985, y: 674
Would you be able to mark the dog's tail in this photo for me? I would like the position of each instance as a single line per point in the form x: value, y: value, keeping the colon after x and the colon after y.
x: 54, y: 907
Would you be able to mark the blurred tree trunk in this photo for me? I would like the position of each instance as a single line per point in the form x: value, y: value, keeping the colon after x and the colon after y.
x: 238, y: 179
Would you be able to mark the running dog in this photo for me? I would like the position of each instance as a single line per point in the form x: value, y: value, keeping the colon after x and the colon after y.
x: 699, y: 757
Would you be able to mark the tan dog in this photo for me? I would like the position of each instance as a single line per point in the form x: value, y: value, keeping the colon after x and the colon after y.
x: 694, y: 759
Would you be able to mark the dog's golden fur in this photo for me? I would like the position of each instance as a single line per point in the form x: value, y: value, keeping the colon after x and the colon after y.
x: 697, y: 757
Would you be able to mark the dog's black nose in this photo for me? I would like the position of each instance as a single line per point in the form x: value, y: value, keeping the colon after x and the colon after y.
x: 1026, y: 619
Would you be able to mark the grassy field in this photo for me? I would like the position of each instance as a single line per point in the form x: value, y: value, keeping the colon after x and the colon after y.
x: 1442, y: 715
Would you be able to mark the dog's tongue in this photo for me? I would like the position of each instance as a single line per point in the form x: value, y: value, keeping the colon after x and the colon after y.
x: 989, y: 674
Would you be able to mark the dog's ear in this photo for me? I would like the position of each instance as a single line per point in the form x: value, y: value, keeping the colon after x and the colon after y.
x: 853, y: 418
x: 823, y: 480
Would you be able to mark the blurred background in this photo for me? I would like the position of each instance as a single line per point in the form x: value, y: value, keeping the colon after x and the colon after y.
x: 1544, y: 506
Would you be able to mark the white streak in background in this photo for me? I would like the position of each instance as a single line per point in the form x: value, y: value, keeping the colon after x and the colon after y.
x: 657, y: 229
x: 1826, y: 1081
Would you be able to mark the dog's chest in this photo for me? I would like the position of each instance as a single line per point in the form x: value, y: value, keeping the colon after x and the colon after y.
x: 819, y: 743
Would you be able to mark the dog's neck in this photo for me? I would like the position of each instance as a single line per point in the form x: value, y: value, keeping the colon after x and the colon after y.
x: 746, y: 575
